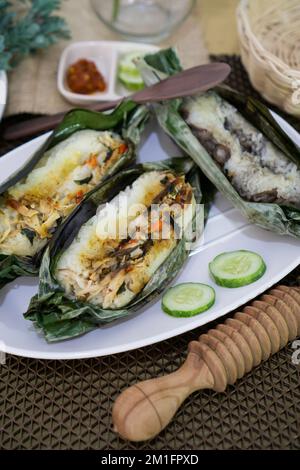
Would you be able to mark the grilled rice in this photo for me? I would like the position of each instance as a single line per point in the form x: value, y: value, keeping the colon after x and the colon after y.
x: 257, y: 169
x: 110, y: 272
x: 31, y: 210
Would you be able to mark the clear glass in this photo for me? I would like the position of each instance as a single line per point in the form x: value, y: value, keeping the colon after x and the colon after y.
x: 143, y: 20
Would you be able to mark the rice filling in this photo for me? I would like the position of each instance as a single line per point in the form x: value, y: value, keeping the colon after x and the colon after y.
x: 31, y: 210
x: 257, y: 169
x: 111, y: 272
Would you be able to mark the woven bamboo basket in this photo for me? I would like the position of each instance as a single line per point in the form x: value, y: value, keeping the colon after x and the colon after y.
x: 269, y: 32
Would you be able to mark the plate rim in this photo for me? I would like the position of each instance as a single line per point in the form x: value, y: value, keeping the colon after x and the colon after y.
x: 153, y: 340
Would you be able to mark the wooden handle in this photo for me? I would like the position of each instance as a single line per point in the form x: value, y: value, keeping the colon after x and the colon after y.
x: 188, y: 82
x: 217, y: 359
x: 46, y: 123
x: 144, y: 409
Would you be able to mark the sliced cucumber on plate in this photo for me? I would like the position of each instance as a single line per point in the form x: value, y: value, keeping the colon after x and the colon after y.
x: 237, y: 268
x: 188, y: 299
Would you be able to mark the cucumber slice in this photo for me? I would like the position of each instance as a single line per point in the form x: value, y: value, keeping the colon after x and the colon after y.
x: 237, y: 268
x: 188, y: 299
x: 128, y: 73
x: 127, y: 64
x: 131, y: 82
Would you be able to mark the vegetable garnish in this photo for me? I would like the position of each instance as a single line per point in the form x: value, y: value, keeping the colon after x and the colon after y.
x: 92, y: 161
x: 84, y: 78
x: 122, y: 148
x: 79, y: 196
x: 188, y: 299
x: 237, y: 268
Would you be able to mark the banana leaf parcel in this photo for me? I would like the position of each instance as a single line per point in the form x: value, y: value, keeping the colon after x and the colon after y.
x: 84, y: 150
x: 238, y: 145
x: 88, y: 279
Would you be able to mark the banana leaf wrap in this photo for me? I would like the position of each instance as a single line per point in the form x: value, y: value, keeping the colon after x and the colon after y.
x: 60, y: 317
x: 127, y: 120
x: 281, y: 219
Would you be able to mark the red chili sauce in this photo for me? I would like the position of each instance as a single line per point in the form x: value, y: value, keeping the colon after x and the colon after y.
x: 84, y: 78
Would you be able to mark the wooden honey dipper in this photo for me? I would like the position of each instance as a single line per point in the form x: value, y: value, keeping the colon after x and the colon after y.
x: 220, y: 357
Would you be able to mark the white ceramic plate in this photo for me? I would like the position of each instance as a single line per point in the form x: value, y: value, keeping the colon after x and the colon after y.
x: 226, y: 230
x: 3, y: 92
x: 106, y: 55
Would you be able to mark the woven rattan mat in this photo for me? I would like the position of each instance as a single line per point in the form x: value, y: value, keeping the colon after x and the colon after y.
x: 67, y: 404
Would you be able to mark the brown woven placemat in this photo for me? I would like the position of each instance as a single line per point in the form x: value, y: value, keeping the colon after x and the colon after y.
x: 67, y: 404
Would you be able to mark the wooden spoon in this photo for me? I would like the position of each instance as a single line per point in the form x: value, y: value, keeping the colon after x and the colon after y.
x: 186, y: 83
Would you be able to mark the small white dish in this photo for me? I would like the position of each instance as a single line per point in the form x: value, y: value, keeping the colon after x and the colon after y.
x: 3, y: 92
x: 106, y: 55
